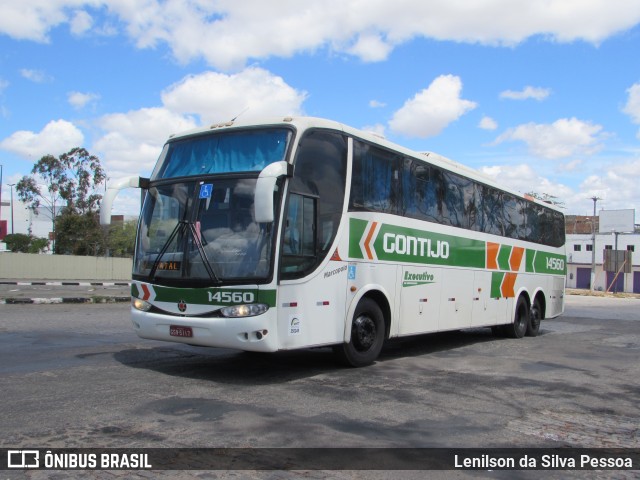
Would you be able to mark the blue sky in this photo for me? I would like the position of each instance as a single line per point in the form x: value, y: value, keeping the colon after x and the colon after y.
x: 543, y: 96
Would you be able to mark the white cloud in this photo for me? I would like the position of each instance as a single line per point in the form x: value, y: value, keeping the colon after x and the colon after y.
x: 227, y: 33
x: 571, y: 166
x: 79, y: 100
x: 376, y: 104
x: 217, y: 97
x: 488, y: 123
x: 561, y: 139
x: 616, y: 184
x: 57, y: 137
x: 537, y: 93
x: 370, y: 47
x: 3, y: 84
x: 31, y: 21
x: 632, y: 107
x: 432, y: 109
x: 81, y: 22
x: 36, y: 76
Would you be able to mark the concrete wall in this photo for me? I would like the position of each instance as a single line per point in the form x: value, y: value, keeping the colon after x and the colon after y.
x: 25, y: 266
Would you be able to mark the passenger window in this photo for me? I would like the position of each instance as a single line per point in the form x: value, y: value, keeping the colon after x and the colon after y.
x: 376, y: 183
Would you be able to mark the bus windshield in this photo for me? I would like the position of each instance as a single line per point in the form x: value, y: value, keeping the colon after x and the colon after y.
x: 225, y: 152
x: 202, y: 231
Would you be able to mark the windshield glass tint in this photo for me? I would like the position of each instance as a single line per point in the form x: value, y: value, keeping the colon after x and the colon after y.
x: 203, y: 231
x: 224, y: 152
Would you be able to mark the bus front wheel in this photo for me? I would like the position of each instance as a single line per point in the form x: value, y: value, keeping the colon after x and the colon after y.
x: 367, y: 335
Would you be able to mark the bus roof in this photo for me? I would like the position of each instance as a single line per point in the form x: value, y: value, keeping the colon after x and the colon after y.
x: 302, y: 123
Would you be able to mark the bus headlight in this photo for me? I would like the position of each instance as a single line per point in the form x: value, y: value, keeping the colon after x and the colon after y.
x: 140, y: 304
x: 250, y: 310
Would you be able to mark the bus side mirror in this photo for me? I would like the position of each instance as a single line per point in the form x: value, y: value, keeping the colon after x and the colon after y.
x: 263, y: 199
x: 112, y: 192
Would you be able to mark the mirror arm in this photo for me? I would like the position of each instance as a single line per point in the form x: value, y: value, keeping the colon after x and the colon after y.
x: 112, y: 192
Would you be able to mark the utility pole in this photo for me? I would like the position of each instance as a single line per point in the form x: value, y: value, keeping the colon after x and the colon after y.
x: 593, y: 243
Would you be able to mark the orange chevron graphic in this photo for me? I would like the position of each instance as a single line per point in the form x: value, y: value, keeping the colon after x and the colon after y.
x: 508, y: 284
x: 367, y: 241
x: 516, y: 258
x: 492, y: 255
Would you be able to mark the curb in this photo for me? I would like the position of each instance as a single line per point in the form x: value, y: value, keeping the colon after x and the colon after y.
x: 59, y: 300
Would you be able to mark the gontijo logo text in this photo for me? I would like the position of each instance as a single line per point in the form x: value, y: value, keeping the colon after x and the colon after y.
x: 409, y: 245
x: 381, y: 241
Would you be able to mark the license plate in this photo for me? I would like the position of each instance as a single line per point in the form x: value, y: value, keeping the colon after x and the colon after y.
x: 179, y: 331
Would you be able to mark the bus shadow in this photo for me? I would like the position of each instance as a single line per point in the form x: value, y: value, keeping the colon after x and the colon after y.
x: 430, y: 343
x: 251, y: 368
x: 231, y: 366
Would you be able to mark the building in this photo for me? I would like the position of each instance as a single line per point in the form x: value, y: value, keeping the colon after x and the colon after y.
x: 580, y: 254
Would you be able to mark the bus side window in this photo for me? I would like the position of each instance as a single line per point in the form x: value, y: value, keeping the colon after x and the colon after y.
x: 315, y: 202
x: 299, y: 242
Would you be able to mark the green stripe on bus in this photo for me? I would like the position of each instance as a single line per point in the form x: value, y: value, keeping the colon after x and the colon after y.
x: 205, y: 296
x: 503, y: 257
x: 550, y: 263
x: 356, y: 232
x: 496, y: 284
x: 530, y: 258
x: 393, y: 243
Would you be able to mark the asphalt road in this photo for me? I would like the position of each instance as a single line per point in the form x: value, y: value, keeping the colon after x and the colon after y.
x: 77, y: 376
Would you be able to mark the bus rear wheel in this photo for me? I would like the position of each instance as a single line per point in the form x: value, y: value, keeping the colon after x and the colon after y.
x: 518, y: 328
x: 367, y: 335
x: 535, y: 317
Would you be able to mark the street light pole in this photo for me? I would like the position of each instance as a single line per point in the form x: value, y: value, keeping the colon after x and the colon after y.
x: 593, y: 244
x: 11, y: 185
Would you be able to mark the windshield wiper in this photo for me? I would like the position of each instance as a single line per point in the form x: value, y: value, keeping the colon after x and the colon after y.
x: 179, y: 228
x: 203, y: 254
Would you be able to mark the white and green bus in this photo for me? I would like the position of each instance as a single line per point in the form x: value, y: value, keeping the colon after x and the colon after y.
x: 303, y: 232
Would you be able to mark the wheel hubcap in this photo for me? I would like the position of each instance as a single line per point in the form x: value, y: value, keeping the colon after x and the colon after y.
x: 363, y: 333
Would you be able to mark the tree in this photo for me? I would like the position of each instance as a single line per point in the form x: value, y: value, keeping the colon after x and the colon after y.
x: 122, y: 238
x: 79, y: 234
x: 19, y: 242
x: 70, y: 182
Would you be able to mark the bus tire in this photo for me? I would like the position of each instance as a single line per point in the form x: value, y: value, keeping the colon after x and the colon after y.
x: 535, y: 317
x: 518, y: 328
x: 367, y: 335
